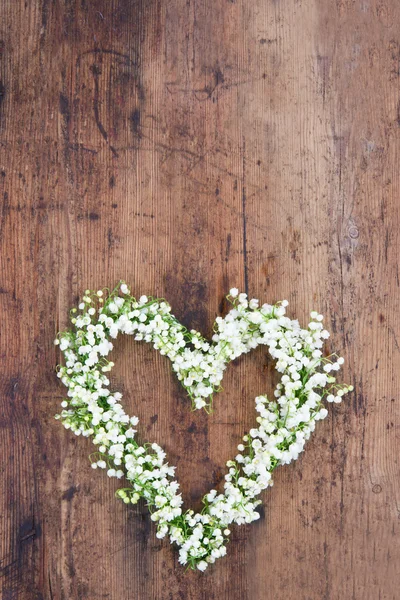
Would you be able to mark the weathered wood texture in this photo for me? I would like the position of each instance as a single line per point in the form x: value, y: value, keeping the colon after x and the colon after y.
x: 188, y: 147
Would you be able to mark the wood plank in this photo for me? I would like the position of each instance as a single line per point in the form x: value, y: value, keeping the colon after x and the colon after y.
x: 188, y: 147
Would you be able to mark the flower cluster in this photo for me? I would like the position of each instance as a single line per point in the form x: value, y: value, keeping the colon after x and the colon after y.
x: 283, y: 424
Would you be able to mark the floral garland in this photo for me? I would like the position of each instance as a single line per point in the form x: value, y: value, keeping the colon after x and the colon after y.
x: 283, y: 424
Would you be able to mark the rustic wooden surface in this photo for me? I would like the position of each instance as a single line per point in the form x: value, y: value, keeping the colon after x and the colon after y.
x: 188, y: 147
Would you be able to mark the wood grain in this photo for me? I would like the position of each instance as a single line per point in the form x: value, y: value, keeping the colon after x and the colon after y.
x: 188, y: 147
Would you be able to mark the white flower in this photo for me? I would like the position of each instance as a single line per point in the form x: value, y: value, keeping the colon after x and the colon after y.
x: 64, y: 344
x: 253, y: 304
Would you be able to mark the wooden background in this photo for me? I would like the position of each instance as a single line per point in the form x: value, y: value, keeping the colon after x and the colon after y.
x: 188, y: 147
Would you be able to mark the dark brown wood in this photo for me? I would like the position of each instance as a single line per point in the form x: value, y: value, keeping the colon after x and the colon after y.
x: 187, y: 147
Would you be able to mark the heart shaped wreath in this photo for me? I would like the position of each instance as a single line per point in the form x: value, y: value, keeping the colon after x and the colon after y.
x: 283, y: 424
